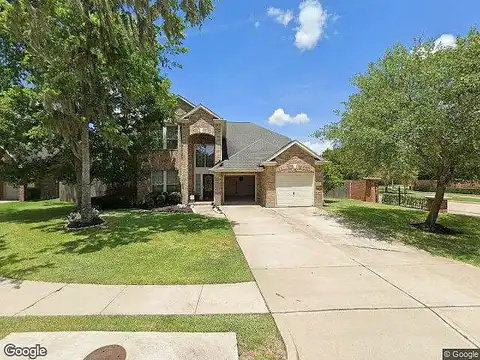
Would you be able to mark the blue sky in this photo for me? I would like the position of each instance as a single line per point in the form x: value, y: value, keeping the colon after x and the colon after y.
x: 255, y: 57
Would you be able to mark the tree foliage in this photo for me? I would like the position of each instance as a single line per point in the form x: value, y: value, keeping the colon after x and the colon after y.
x: 332, y: 177
x: 82, y: 55
x: 415, y: 109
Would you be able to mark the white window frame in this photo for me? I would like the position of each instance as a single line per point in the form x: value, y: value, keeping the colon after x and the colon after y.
x: 164, y: 137
x: 164, y: 177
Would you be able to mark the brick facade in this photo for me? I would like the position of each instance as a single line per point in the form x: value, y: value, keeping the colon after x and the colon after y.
x: 202, y: 127
x: 158, y: 161
x: 296, y: 160
x: 364, y: 190
x: 293, y: 160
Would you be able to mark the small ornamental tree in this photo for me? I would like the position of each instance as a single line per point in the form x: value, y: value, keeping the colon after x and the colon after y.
x: 416, y: 109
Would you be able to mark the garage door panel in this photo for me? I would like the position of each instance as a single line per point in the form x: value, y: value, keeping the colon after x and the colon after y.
x: 296, y: 189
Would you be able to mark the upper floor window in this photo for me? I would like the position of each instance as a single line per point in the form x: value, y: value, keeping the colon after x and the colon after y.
x: 171, y: 137
x: 204, y: 155
x: 168, y: 137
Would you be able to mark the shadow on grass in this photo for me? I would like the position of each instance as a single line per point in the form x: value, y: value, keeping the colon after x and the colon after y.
x: 128, y: 227
x: 40, y: 213
x: 14, y: 276
x: 121, y: 228
x: 390, y: 223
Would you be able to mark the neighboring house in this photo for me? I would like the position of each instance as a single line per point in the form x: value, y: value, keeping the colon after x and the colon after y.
x: 225, y: 162
x: 10, y: 192
x: 45, y: 189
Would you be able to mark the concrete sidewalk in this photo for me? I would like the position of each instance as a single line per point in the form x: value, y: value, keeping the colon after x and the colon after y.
x: 336, y: 294
x: 40, y: 298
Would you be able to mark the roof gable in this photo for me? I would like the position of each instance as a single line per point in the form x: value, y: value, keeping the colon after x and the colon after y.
x: 198, y: 108
x: 289, y: 145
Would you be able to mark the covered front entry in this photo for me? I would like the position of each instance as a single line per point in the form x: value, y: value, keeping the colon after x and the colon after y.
x: 240, y: 189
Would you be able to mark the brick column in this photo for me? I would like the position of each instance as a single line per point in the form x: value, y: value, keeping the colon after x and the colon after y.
x: 22, y: 193
x: 184, y: 168
x: 318, y: 197
x: 218, y: 128
x: 269, y: 187
x: 218, y: 189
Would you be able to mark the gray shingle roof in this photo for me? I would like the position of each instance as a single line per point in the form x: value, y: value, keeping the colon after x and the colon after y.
x: 248, y: 144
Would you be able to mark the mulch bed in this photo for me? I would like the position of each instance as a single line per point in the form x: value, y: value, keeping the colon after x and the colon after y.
x: 174, y: 209
x: 81, y: 225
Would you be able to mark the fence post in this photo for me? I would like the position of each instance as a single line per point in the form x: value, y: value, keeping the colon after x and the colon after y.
x: 399, y: 197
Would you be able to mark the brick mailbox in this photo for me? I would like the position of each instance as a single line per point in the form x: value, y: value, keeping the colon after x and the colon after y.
x: 443, y: 207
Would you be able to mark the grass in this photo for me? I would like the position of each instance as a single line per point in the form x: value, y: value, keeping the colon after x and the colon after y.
x: 257, y: 335
x: 393, y: 223
x: 134, y: 247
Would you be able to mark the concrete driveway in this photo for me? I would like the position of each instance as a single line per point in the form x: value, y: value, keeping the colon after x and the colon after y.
x: 464, y: 208
x: 340, y: 295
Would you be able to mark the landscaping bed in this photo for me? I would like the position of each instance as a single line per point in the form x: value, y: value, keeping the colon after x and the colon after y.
x: 460, y: 240
x: 132, y: 247
x: 257, y: 335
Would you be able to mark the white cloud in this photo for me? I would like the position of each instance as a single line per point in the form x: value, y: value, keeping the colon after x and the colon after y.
x: 280, y: 118
x: 318, y: 147
x: 313, y: 20
x: 334, y: 17
x: 281, y: 16
x: 446, y: 41
x: 257, y: 24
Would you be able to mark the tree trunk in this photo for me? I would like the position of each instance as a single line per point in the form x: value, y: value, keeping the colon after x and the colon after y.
x: 436, y: 204
x: 78, y: 183
x: 85, y: 203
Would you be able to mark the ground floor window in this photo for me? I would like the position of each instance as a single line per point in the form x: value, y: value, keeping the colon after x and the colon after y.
x: 165, y: 181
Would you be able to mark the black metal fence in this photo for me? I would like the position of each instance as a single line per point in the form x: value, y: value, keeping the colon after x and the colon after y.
x: 401, y: 198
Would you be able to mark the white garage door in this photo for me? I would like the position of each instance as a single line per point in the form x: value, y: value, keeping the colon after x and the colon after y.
x: 295, y: 189
x: 11, y: 193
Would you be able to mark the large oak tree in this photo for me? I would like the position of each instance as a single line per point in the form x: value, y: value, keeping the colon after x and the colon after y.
x: 81, y: 53
x: 415, y: 109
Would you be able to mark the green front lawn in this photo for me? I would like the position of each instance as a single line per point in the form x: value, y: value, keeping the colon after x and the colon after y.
x: 257, y: 335
x: 134, y: 247
x: 393, y: 223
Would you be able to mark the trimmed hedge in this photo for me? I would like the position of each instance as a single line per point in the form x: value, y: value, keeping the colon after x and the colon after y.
x: 152, y: 200
x: 464, y: 191
x: 427, y: 188
x: 112, y: 202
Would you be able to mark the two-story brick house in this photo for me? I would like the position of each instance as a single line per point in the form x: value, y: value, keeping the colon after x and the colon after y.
x: 232, y: 162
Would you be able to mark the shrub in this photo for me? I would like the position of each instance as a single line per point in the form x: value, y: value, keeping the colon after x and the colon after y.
x: 430, y: 188
x: 463, y: 191
x: 160, y: 199
x: 174, y: 198
x: 111, y: 202
x: 425, y: 188
x: 148, y: 203
x: 74, y: 220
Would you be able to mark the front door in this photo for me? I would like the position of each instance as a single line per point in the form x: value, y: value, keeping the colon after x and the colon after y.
x: 207, y: 187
